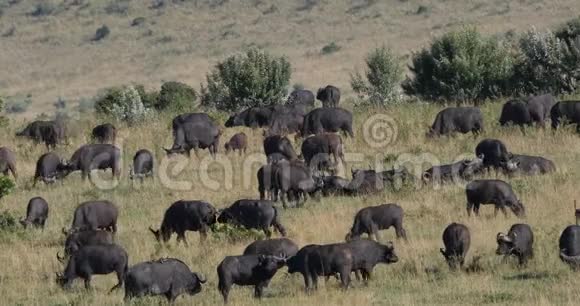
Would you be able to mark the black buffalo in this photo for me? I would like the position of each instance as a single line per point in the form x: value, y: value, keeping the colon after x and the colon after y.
x: 532, y: 165
x: 94, y: 156
x: 515, y: 112
x: 36, y: 213
x: 371, y: 181
x: 456, y: 239
x: 257, y: 214
x: 457, y: 120
x: 331, y: 120
x: 253, y: 117
x: 293, y: 181
x: 7, y: 162
x: 517, y: 242
x: 316, y: 151
x: 301, y: 97
x: 76, y: 240
x: 370, y: 220
x: 49, y: 132
x: 265, y: 177
x: 95, y: 260
x: 49, y: 168
x: 495, y: 154
x: 539, y: 107
x: 104, y: 133
x: 284, y: 123
x: 142, y: 165
x: 94, y: 215
x: 461, y: 170
x: 248, y: 270
x: 279, y: 144
x: 329, y: 260
x: 570, y: 246
x: 238, y: 142
x: 329, y: 96
x: 194, y: 131
x: 496, y: 192
x: 274, y: 247
x: 566, y: 112
x: 169, y: 277
x: 334, y: 185
x: 367, y: 254
x: 184, y: 216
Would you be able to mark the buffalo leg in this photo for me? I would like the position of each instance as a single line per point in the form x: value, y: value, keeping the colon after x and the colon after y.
x: 267, y: 231
x: 259, y: 290
x: 203, y: 233
x: 345, y: 279
x: 307, y: 282
x: 400, y: 231
x: 469, y: 208
x: 120, y: 277
x: 181, y: 237
x: 87, y: 282
x: 375, y: 230
x: 476, y: 209
x: 225, y: 291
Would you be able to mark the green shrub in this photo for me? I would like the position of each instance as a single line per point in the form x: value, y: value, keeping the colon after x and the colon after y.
x: 384, y: 73
x: 8, y: 222
x: 6, y: 186
x: 18, y: 104
x: 149, y: 98
x: 232, y: 233
x: 460, y: 66
x: 255, y: 78
x: 330, y: 48
x: 547, y: 64
x: 122, y: 103
x: 176, y: 96
x: 569, y: 31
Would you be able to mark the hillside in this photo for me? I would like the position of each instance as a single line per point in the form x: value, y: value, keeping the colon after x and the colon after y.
x: 47, y: 48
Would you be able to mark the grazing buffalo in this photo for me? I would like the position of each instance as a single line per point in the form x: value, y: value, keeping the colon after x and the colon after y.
x: 94, y: 215
x: 334, y: 185
x: 276, y: 158
x: 257, y: 214
x: 265, y: 177
x: 456, y: 239
x: 79, y: 239
x: 329, y: 260
x: 299, y: 263
x: 496, y: 192
x: 566, y: 112
x: 330, y: 120
x: 94, y: 156
x: 253, y: 117
x: 539, y: 107
x: 36, y: 213
x: 301, y: 97
x: 104, y: 133
x: 49, y: 132
x: 169, y: 277
x: 49, y: 168
x: 248, y: 270
x: 294, y: 182
x: 184, y: 216
x: 194, y: 131
x: 518, y: 242
x: 284, y: 123
x: 329, y: 96
x: 370, y: 181
x: 515, y: 112
x: 274, y: 247
x: 7, y: 162
x: 142, y: 165
x: 279, y: 144
x: 457, y: 120
x: 570, y: 246
x: 367, y: 254
x: 370, y: 220
x: 495, y: 154
x: 238, y: 142
x: 95, y: 260
x: 532, y: 165
x: 461, y: 170
x: 316, y: 150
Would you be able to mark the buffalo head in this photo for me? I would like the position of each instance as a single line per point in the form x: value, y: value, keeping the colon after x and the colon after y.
x: 505, y: 244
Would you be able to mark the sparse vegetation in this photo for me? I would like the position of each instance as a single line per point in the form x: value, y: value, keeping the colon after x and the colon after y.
x: 122, y: 103
x: 251, y: 79
x: 18, y: 104
x: 6, y: 186
x: 330, y: 48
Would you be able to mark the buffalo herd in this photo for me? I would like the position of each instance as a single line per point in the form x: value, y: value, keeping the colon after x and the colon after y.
x: 90, y: 247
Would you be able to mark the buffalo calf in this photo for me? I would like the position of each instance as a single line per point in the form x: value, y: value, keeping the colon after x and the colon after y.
x: 142, y: 165
x: 238, y: 142
x: 371, y: 219
x: 36, y: 213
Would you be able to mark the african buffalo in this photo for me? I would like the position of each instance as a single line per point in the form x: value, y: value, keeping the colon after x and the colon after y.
x: 370, y: 220
x: 49, y: 132
x: 257, y: 214
x: 539, y: 107
x: 329, y: 260
x: 461, y: 170
x: 184, y: 216
x: 95, y: 260
x: 316, y: 151
x: 94, y: 215
x: 253, y: 117
x: 169, y: 277
x: 279, y: 144
x: 495, y: 154
x: 36, y: 213
x: 248, y: 270
x: 104, y: 133
x: 284, y: 123
x: 238, y: 142
x: 49, y: 168
x: 334, y: 185
x: 301, y: 97
x: 368, y: 253
x: 332, y: 120
x: 456, y: 239
x: 532, y: 165
x: 274, y: 247
x: 7, y: 162
x: 566, y: 112
x: 457, y: 120
x: 329, y: 96
x: 293, y: 182
x: 496, y: 192
x: 142, y: 165
x: 518, y: 242
x: 515, y: 112
x: 94, y: 156
x: 194, y: 131
x: 371, y: 181
x: 569, y: 244
x: 79, y: 239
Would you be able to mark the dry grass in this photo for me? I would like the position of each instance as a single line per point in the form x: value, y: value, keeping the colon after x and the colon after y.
x: 29, y: 261
x: 52, y: 56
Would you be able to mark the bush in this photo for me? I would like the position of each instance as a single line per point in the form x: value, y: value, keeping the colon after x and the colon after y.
x: 547, y: 64
x: 6, y: 186
x: 176, y: 96
x: 330, y: 48
x: 101, y: 33
x: 18, y: 104
x: 253, y: 79
x: 231, y: 233
x: 123, y: 104
x: 8, y: 222
x: 149, y: 98
x: 383, y: 76
x: 569, y: 31
x: 461, y: 66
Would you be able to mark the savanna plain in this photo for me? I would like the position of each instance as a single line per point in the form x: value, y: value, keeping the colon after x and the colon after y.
x: 50, y: 58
